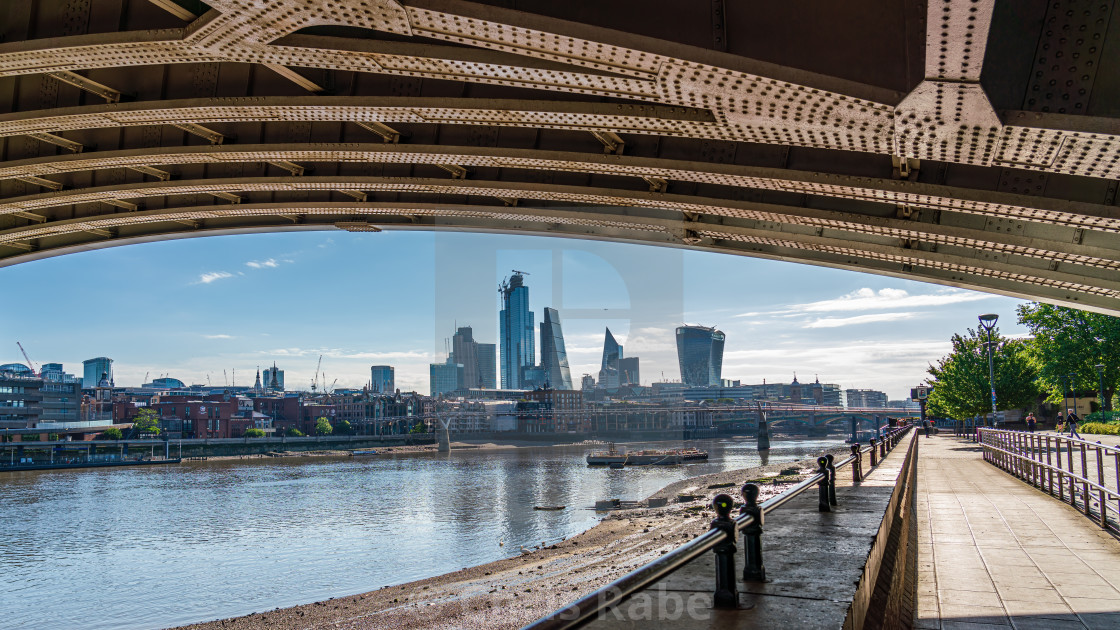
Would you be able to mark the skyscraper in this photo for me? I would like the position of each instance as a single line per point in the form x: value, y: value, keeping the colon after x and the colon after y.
x: 445, y: 377
x: 487, y: 365
x: 516, y: 330
x: 554, y: 358
x: 94, y: 368
x: 700, y: 354
x: 628, y: 371
x: 464, y: 350
x: 612, y: 352
x: 382, y: 379
x: 273, y: 378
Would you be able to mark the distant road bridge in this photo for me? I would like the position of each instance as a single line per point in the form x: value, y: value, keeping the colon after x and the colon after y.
x: 971, y: 143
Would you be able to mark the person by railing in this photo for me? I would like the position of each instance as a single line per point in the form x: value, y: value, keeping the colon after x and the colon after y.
x: 1071, y: 423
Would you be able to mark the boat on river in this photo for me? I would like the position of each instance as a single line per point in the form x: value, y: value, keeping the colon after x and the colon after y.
x: 651, y: 457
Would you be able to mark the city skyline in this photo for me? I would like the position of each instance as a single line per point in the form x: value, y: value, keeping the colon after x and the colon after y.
x: 195, y: 307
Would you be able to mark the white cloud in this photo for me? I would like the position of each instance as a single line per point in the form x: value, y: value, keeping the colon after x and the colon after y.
x: 218, y: 336
x: 836, y: 322
x: 866, y: 299
x: 211, y: 276
x: 261, y: 264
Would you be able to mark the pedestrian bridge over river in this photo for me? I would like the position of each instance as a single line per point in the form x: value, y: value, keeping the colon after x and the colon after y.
x: 971, y: 143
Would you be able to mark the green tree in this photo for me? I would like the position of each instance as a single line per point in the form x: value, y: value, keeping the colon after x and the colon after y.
x: 293, y: 432
x: 343, y: 427
x: 1072, y: 342
x: 419, y: 428
x: 323, y: 427
x: 146, y: 421
x: 112, y: 433
x: 254, y: 433
x: 960, y: 379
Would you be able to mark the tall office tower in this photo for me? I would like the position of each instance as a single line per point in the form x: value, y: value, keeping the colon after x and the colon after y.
x: 464, y: 349
x: 93, y: 369
x: 700, y: 354
x: 628, y: 371
x: 588, y: 383
x: 554, y: 358
x: 516, y: 330
x: 445, y: 377
x: 54, y: 373
x: 273, y: 378
x: 382, y: 379
x: 612, y: 352
x: 488, y: 365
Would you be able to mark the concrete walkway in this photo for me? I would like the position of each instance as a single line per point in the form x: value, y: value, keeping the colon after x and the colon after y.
x: 995, y: 552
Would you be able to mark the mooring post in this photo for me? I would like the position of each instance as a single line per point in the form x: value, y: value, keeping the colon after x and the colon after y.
x: 822, y: 486
x: 831, y: 479
x: 857, y: 463
x: 874, y: 454
x: 727, y: 594
x: 753, y: 569
x: 883, y: 447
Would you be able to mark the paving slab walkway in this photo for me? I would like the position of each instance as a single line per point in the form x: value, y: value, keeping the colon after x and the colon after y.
x: 995, y: 552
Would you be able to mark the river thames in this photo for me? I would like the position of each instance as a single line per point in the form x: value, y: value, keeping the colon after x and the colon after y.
x: 152, y: 547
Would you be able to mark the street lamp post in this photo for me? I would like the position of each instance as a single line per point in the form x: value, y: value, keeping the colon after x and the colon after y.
x: 1103, y: 403
x: 1073, y: 392
x: 988, y: 322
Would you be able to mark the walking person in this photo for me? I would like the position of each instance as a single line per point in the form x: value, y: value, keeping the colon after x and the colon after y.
x: 1030, y: 422
x: 1071, y: 422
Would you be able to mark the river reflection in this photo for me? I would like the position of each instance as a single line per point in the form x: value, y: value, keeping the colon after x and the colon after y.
x: 161, y: 546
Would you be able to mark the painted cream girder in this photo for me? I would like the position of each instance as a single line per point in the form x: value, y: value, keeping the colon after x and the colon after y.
x: 1019, y: 245
x: 745, y: 101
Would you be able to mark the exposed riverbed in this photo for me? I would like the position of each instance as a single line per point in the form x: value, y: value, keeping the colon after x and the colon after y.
x: 143, y: 548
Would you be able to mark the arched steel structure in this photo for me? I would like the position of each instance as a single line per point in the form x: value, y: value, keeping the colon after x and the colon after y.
x: 972, y: 143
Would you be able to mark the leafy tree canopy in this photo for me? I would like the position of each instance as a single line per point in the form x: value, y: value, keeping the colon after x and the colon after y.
x: 323, y: 427
x: 254, y: 433
x: 1069, y: 342
x: 293, y: 432
x: 343, y: 427
x: 112, y: 433
x: 146, y: 421
x: 960, y: 380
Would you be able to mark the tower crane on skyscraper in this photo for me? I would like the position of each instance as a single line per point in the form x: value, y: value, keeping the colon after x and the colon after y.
x: 30, y: 365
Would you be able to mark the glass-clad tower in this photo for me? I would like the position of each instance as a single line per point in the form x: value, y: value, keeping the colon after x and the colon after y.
x: 516, y: 331
x: 554, y: 358
x: 700, y: 353
x: 612, y: 353
x: 92, y: 369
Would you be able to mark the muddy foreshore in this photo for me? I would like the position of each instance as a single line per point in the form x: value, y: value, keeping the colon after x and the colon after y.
x: 512, y: 592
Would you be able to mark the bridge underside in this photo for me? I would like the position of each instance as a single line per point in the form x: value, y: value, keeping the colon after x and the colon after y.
x: 972, y: 143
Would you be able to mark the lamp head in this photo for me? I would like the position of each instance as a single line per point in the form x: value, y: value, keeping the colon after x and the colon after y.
x: 1100, y: 368
x: 989, y: 320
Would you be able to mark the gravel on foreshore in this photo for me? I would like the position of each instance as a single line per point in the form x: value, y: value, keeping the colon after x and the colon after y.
x: 537, y: 581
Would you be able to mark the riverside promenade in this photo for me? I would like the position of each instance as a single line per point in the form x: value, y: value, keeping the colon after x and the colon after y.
x: 996, y: 552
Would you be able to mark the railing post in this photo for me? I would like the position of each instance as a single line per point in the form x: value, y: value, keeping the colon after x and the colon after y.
x: 882, y: 448
x: 857, y: 463
x: 1049, y: 470
x: 1084, y: 484
x: 831, y: 479
x: 822, y: 486
x: 1069, y: 462
x: 1100, y: 482
x: 726, y: 595
x: 753, y: 569
x: 874, y: 454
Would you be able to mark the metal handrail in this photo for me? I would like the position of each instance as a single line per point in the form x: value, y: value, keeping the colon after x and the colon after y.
x: 583, y: 609
x: 990, y: 435
x: 1067, y: 473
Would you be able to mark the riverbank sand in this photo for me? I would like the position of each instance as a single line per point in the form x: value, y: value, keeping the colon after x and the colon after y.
x: 514, y: 591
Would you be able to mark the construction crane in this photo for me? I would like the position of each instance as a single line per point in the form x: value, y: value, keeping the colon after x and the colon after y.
x: 146, y: 376
x: 523, y: 273
x: 331, y: 390
x: 225, y: 375
x: 30, y: 365
x: 208, y: 384
x: 315, y: 381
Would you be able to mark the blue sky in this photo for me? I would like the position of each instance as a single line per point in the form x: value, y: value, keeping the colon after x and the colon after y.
x: 193, y: 307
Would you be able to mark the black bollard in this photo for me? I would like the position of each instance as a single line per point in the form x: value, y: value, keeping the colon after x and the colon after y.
x: 753, y: 570
x: 874, y: 454
x: 726, y: 595
x: 883, y: 447
x: 857, y: 463
x: 822, y: 487
x: 831, y: 479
